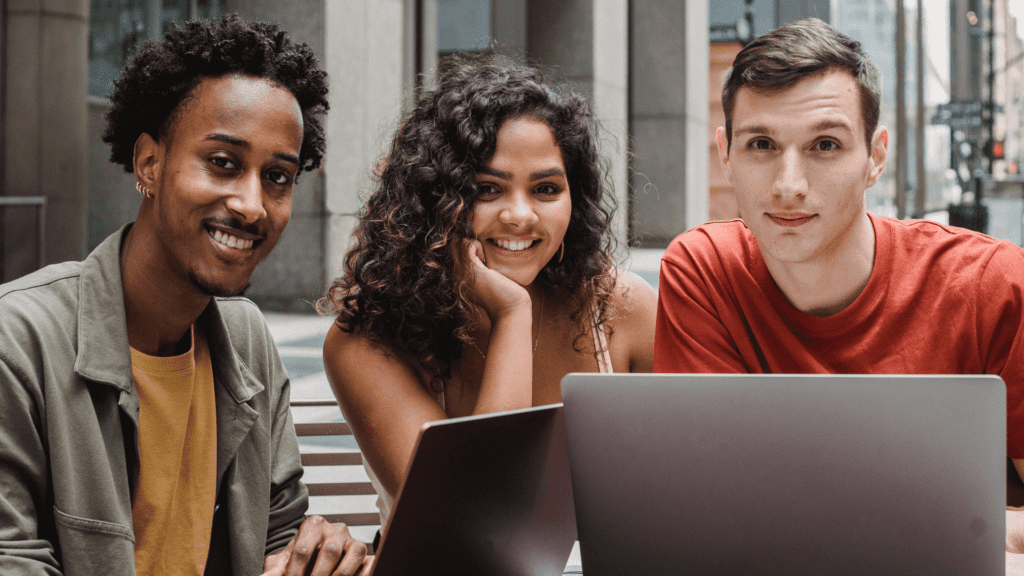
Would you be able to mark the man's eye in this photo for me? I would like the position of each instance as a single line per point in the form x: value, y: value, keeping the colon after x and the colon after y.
x: 760, y: 144
x: 279, y: 178
x: 826, y: 145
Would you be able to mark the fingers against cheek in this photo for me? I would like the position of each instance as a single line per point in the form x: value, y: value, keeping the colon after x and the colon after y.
x: 478, y: 248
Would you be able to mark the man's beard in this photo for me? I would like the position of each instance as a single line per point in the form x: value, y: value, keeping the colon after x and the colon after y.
x: 210, y: 289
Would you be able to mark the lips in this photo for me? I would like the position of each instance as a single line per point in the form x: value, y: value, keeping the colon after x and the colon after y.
x: 514, y: 247
x: 514, y: 244
x: 232, y: 239
x: 790, y: 220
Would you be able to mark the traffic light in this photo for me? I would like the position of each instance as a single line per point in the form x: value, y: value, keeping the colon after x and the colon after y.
x: 994, y: 149
x: 997, y: 150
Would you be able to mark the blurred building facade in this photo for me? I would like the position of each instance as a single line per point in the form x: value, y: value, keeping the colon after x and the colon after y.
x: 643, y: 64
x: 652, y: 69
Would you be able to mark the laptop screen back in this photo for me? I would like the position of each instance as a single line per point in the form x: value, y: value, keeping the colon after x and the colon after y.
x: 755, y: 474
x: 484, y: 495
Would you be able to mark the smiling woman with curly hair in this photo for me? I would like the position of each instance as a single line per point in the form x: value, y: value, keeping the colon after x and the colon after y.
x: 481, y: 271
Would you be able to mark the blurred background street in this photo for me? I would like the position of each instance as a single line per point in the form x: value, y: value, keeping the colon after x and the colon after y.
x: 953, y: 101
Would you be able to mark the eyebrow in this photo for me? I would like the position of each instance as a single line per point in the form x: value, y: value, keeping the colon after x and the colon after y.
x: 538, y: 175
x: 821, y: 126
x: 831, y: 125
x: 228, y: 139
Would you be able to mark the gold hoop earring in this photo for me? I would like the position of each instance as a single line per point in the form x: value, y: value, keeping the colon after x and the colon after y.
x: 561, y: 251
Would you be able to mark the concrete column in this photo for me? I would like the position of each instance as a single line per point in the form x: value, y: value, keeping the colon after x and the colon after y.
x: 427, y: 38
x: 510, y: 26
x: 669, y: 118
x: 364, y: 58
x: 787, y: 11
x: 44, y: 132
x: 697, y: 86
x: 587, y: 40
x: 295, y: 272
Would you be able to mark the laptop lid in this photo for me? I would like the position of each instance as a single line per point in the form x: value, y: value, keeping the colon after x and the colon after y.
x: 484, y: 495
x: 783, y: 474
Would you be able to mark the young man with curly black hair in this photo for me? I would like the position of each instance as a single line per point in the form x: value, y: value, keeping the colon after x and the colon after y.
x: 147, y: 426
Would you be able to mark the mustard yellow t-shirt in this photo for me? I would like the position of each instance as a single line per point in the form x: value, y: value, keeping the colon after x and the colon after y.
x: 172, y: 511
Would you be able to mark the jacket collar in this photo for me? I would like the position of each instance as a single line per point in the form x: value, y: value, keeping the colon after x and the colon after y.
x: 103, y: 353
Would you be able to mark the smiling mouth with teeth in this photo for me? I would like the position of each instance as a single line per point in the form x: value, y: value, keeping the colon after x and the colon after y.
x: 230, y: 241
x: 513, y: 245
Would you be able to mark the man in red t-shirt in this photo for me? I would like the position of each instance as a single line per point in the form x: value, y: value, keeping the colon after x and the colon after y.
x: 808, y: 281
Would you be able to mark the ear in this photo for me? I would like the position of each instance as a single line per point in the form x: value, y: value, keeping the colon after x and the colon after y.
x: 723, y: 151
x: 147, y: 160
x: 879, y: 151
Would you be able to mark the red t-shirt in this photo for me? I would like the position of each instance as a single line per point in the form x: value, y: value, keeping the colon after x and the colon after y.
x: 940, y: 300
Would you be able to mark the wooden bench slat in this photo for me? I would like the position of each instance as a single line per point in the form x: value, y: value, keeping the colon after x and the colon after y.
x: 332, y: 459
x: 355, y: 519
x: 335, y: 458
x: 314, y: 403
x: 323, y: 429
x: 340, y: 489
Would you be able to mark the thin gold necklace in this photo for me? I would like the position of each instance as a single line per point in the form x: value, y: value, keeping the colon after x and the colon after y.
x: 536, y: 341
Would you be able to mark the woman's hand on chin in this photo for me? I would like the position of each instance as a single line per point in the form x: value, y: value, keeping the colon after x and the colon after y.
x: 492, y: 291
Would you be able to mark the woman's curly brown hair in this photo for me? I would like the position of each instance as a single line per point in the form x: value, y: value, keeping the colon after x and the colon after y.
x: 164, y: 74
x: 400, y: 287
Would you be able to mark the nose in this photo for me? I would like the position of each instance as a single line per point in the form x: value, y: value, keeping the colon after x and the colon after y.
x: 518, y: 211
x: 246, y: 199
x: 790, y: 179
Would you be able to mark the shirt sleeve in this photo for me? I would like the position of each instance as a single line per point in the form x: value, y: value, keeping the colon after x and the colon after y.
x: 289, y: 497
x: 690, y: 336
x: 1002, y: 320
x: 24, y: 475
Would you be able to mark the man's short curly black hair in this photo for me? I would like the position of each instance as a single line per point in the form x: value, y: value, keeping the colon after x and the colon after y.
x: 162, y: 75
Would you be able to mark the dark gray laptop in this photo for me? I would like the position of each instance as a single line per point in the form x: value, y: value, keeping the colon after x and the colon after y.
x: 754, y: 474
x: 485, y: 495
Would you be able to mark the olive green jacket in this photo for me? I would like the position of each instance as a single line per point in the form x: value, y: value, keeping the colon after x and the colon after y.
x: 68, y: 432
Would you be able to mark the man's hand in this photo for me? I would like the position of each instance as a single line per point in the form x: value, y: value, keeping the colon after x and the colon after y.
x: 320, y: 549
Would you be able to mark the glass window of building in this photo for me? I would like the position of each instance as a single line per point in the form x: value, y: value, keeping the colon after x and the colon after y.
x: 464, y: 26
x: 118, y: 27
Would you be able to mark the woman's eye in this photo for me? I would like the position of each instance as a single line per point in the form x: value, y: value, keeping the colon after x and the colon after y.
x: 222, y: 162
x: 826, y: 145
x: 486, y: 190
x: 547, y: 190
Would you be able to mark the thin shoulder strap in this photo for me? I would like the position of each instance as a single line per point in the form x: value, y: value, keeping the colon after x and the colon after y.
x: 438, y: 386
x: 604, y: 357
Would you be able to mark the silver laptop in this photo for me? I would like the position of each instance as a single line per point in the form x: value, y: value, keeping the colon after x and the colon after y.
x: 485, y: 495
x: 755, y: 474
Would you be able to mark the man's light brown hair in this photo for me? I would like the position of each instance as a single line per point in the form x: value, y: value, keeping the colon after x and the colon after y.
x: 787, y: 55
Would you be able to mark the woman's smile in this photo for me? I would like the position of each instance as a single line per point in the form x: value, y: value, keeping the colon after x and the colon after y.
x: 523, y: 204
